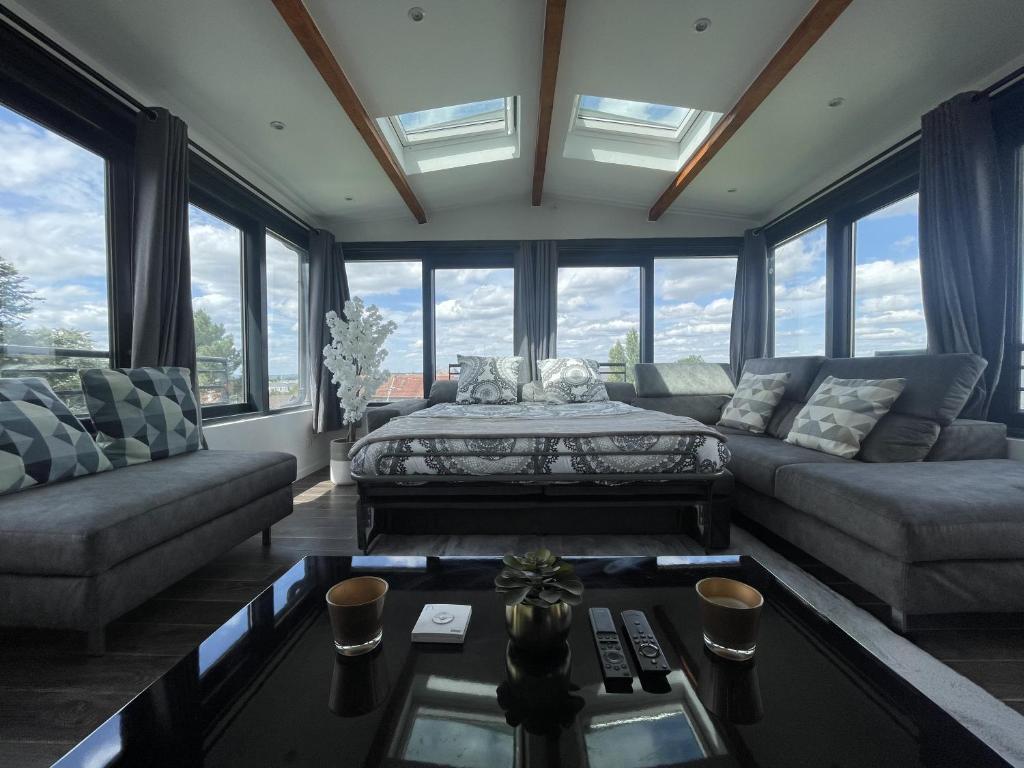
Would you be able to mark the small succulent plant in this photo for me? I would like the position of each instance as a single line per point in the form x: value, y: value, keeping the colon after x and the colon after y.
x: 538, y: 578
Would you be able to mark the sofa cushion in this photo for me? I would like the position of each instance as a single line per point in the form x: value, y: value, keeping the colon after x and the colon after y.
x: 41, y: 441
x: 842, y: 412
x: 802, y: 372
x: 142, y: 414
x: 757, y: 458
x: 898, y: 437
x: 667, y: 379
x: 707, y: 409
x: 754, y: 401
x: 921, y: 512
x: 101, y: 520
x: 968, y: 439
x: 622, y: 391
x: 442, y: 392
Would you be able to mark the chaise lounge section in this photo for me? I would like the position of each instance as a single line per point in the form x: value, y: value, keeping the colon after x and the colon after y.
x: 79, y: 554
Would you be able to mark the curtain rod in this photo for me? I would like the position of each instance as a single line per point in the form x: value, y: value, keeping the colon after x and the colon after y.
x: 998, y: 87
x: 129, y: 101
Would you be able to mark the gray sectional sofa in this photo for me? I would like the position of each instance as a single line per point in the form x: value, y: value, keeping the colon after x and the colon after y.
x: 78, y: 554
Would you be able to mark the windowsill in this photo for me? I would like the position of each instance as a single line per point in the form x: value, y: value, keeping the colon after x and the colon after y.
x: 238, y: 417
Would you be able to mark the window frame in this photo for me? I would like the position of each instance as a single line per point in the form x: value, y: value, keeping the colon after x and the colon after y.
x: 304, y: 388
x: 508, y: 128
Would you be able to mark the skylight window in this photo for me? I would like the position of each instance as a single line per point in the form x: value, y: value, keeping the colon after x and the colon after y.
x: 633, y: 118
x: 475, y: 120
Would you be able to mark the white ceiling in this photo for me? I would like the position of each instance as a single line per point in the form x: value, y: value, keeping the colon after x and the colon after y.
x: 229, y: 67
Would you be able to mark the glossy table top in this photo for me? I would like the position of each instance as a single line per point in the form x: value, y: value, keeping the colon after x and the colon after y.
x: 267, y: 688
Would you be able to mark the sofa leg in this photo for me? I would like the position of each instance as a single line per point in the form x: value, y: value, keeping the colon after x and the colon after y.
x: 266, y: 536
x: 96, y: 641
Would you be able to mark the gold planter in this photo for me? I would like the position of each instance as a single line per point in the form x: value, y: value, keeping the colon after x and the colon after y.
x: 537, y: 630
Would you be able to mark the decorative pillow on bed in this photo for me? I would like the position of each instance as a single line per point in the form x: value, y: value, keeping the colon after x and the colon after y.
x: 754, y: 401
x: 842, y: 412
x: 488, y: 380
x: 41, y: 441
x: 571, y: 380
x: 142, y: 414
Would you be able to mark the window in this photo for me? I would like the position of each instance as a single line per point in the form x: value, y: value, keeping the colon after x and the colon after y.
x: 54, y: 316
x: 693, y: 309
x: 216, y: 252
x: 478, y: 119
x: 634, y: 118
x: 599, y: 315
x: 287, y: 273
x: 799, y: 270
x: 395, y: 288
x: 473, y: 314
x: 888, y: 309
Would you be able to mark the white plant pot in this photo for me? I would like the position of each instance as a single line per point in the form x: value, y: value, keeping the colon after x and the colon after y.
x: 341, y: 466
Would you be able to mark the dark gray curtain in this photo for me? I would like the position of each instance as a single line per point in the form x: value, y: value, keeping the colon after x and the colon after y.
x: 163, y: 333
x: 964, y: 242
x: 328, y: 289
x: 749, y: 337
x: 536, y: 299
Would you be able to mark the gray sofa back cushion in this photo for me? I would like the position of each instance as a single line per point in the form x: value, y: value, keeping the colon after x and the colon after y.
x: 668, y: 379
x: 802, y: 372
x: 622, y: 391
x: 707, y: 409
x: 970, y: 440
x: 442, y: 392
x: 937, y: 387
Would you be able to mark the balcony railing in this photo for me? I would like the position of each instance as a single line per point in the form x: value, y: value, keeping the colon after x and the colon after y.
x: 606, y: 371
x: 58, y: 366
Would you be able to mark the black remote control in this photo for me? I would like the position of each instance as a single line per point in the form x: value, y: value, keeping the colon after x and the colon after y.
x: 614, y: 666
x: 649, y: 658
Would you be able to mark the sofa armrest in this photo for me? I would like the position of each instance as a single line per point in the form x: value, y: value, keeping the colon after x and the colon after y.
x: 967, y: 440
x: 378, y: 416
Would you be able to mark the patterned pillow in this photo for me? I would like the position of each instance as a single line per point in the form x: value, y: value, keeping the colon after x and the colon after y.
x: 142, y: 414
x: 488, y: 380
x: 754, y: 401
x: 571, y: 380
x: 40, y: 439
x: 842, y: 412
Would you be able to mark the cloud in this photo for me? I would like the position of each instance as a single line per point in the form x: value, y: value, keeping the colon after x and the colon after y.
x: 637, y: 110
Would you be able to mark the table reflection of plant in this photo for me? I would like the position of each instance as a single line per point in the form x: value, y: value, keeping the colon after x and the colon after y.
x: 537, y: 692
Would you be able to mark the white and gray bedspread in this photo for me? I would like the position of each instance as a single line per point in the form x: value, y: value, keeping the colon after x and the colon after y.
x: 605, y: 438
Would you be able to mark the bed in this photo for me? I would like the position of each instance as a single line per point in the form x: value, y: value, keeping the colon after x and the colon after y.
x: 530, y: 460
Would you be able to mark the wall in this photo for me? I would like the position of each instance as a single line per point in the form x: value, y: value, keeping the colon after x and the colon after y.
x: 516, y: 219
x: 290, y: 432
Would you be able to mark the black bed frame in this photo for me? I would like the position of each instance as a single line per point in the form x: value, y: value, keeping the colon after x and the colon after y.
x: 524, y: 504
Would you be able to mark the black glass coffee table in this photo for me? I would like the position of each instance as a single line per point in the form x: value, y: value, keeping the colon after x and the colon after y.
x: 267, y: 689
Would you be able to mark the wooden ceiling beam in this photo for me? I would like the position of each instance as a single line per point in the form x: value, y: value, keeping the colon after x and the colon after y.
x: 297, y: 17
x: 807, y: 33
x: 554, y: 20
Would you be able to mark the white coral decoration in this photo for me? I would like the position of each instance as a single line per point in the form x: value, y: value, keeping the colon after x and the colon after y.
x: 356, y: 354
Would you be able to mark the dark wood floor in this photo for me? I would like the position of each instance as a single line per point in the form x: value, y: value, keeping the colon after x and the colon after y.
x: 51, y: 695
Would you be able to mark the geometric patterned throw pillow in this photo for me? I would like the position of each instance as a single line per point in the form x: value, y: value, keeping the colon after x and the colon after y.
x: 571, y: 380
x: 754, y: 401
x: 142, y: 414
x: 488, y: 380
x: 842, y: 412
x: 40, y: 439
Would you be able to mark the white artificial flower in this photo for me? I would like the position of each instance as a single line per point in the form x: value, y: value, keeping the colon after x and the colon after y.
x: 355, y: 355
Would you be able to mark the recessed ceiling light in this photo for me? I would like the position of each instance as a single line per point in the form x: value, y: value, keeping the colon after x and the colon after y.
x: 348, y: 199
x: 416, y: 13
x: 277, y: 125
x: 701, y: 25
x: 838, y: 101
x: 730, y: 190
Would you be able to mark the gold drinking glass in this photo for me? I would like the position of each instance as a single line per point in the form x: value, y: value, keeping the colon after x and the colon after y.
x: 730, y: 615
x: 356, y: 609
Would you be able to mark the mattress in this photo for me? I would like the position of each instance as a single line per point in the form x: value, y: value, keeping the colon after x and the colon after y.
x: 608, y: 438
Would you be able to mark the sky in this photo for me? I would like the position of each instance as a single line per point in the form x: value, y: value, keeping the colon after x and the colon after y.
x: 888, y: 314
x: 427, y: 118
x: 53, y: 226
x: 662, y: 114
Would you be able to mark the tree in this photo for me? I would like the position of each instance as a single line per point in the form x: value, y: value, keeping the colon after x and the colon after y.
x: 213, y: 340
x: 691, y: 359
x: 627, y: 353
x: 15, y: 300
